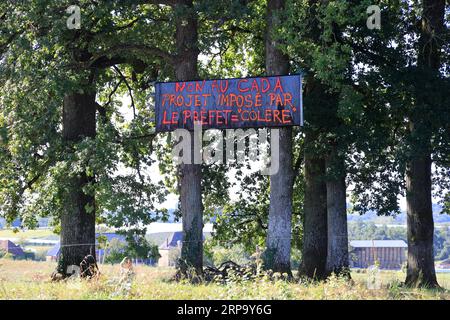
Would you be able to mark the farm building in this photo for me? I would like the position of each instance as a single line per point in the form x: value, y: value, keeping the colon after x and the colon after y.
x: 10, y: 247
x: 390, y: 254
x: 53, y: 253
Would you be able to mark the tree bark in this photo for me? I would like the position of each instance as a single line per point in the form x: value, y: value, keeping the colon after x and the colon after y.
x: 421, y: 269
x: 337, y: 256
x: 314, y: 256
x: 77, y: 223
x: 191, y: 174
x: 278, y: 252
x: 315, y: 246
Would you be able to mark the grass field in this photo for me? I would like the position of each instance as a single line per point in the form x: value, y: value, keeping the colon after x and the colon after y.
x: 30, y: 280
x: 26, y: 234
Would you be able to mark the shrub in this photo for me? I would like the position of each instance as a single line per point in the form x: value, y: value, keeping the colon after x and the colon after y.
x: 8, y: 256
x: 116, y: 251
x: 40, y: 255
x: 235, y: 253
x: 137, y: 248
x: 174, y: 256
x: 115, y: 257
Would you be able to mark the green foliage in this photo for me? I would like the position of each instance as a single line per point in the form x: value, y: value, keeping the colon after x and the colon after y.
x: 140, y: 248
x: 116, y: 251
x: 40, y: 255
x: 135, y: 247
x: 370, y: 231
x: 442, y: 243
x: 174, y: 256
x: 236, y: 253
x: 41, y: 62
x: 9, y: 256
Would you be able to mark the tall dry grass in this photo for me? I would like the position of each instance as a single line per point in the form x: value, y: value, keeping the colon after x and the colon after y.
x: 31, y: 280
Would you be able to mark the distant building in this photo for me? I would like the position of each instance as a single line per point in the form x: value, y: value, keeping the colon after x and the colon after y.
x: 53, y: 253
x: 10, y: 247
x: 390, y: 254
x: 170, y: 248
x: 172, y: 243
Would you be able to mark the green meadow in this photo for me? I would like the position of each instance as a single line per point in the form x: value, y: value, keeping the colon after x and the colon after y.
x: 31, y: 280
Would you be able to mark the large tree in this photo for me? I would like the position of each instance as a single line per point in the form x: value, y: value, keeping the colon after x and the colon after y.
x: 63, y: 75
x: 420, y: 269
x: 78, y: 214
x: 190, y: 173
x: 400, y: 121
x: 315, y: 228
x: 261, y: 213
x: 278, y: 247
x: 199, y: 26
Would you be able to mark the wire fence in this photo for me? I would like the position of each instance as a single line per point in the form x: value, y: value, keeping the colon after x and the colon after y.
x: 205, y: 240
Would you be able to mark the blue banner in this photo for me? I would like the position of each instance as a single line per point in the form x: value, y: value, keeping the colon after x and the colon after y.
x: 229, y: 103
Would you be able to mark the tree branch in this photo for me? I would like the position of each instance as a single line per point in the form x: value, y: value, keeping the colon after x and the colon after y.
x: 155, y: 2
x: 4, y: 46
x: 126, y: 48
x: 165, y: 2
x: 112, y: 93
x: 119, y: 28
x: 130, y: 91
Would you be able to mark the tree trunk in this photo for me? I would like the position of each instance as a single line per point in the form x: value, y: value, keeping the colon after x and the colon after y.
x: 315, y: 246
x: 314, y: 256
x: 278, y: 252
x: 77, y: 222
x: 421, y: 269
x: 191, y: 174
x: 337, y: 257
